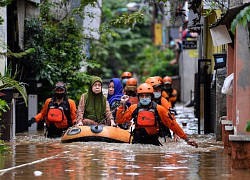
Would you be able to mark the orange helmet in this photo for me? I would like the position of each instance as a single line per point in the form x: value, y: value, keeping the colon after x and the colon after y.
x: 131, y: 82
x: 145, y: 88
x: 153, y: 81
x: 167, y: 80
x: 126, y: 75
x: 160, y: 78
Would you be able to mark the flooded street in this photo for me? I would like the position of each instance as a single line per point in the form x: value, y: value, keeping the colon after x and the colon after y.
x: 35, y: 157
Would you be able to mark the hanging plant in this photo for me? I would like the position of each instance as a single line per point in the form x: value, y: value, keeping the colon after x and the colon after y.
x: 242, y: 18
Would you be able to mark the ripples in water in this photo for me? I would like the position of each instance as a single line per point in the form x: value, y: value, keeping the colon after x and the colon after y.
x: 36, y: 156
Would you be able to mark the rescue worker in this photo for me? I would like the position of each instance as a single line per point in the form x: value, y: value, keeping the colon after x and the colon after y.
x: 93, y: 106
x: 59, y: 112
x: 157, y: 85
x: 148, y: 117
x: 131, y: 90
x: 125, y: 76
x: 168, y: 92
x: 160, y: 78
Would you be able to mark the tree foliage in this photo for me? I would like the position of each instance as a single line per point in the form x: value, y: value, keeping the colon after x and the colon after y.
x: 8, y: 81
x: 3, y: 108
x: 154, y: 61
x: 127, y: 45
x: 119, y: 44
x: 59, y: 51
x: 243, y: 17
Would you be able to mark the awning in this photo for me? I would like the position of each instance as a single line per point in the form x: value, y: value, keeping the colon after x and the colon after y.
x: 229, y: 16
x: 220, y: 35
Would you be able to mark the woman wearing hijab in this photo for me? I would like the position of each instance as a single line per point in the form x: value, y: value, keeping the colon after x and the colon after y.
x: 115, y: 90
x: 93, y: 106
x: 114, y: 94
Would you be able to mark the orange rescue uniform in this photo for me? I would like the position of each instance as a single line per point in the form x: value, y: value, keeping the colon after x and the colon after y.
x: 163, y: 114
x: 133, y: 100
x: 60, y: 125
x: 173, y: 97
x: 165, y: 103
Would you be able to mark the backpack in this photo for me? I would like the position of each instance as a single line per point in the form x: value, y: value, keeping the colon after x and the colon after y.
x: 59, y: 113
x: 163, y: 130
x: 149, y: 120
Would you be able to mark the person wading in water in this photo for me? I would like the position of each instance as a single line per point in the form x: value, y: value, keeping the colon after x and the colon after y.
x: 148, y: 117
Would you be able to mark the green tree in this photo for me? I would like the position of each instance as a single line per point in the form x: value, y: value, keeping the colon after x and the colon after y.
x: 123, y: 36
x: 59, y: 54
x: 155, y: 62
x: 127, y: 45
x: 243, y: 17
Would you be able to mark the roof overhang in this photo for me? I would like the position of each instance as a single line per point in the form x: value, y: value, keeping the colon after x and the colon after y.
x: 220, y: 35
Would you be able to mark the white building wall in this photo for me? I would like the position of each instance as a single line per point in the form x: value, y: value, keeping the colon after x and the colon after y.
x: 3, y: 38
x: 187, y: 68
x: 92, y: 20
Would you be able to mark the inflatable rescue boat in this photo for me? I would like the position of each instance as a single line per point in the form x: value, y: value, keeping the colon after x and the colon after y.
x: 96, y: 133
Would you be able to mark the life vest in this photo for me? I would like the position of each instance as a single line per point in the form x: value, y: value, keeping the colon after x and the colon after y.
x: 164, y: 130
x: 145, y: 117
x: 59, y: 114
x: 133, y: 100
x: 173, y: 96
x: 170, y: 93
x: 152, y: 122
x: 55, y: 114
x: 159, y: 102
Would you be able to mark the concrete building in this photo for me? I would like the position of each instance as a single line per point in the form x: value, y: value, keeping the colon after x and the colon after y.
x: 219, y: 53
x: 12, y: 30
x: 12, y: 38
x: 224, y: 53
x: 238, y: 103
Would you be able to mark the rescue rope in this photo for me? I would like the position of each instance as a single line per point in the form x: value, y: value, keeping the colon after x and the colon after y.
x: 107, y: 114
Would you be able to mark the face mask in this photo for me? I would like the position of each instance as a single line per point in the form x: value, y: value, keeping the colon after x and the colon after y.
x: 59, y: 95
x: 145, y: 101
x: 124, y: 81
x: 167, y: 87
x: 130, y: 93
x: 157, y: 95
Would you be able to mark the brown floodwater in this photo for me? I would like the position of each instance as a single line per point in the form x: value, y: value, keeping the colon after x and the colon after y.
x: 35, y: 157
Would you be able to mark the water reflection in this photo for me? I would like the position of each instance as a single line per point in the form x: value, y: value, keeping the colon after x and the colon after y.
x: 35, y: 157
x: 98, y: 160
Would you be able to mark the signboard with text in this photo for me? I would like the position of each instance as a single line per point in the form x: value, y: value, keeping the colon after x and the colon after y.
x: 190, y: 44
